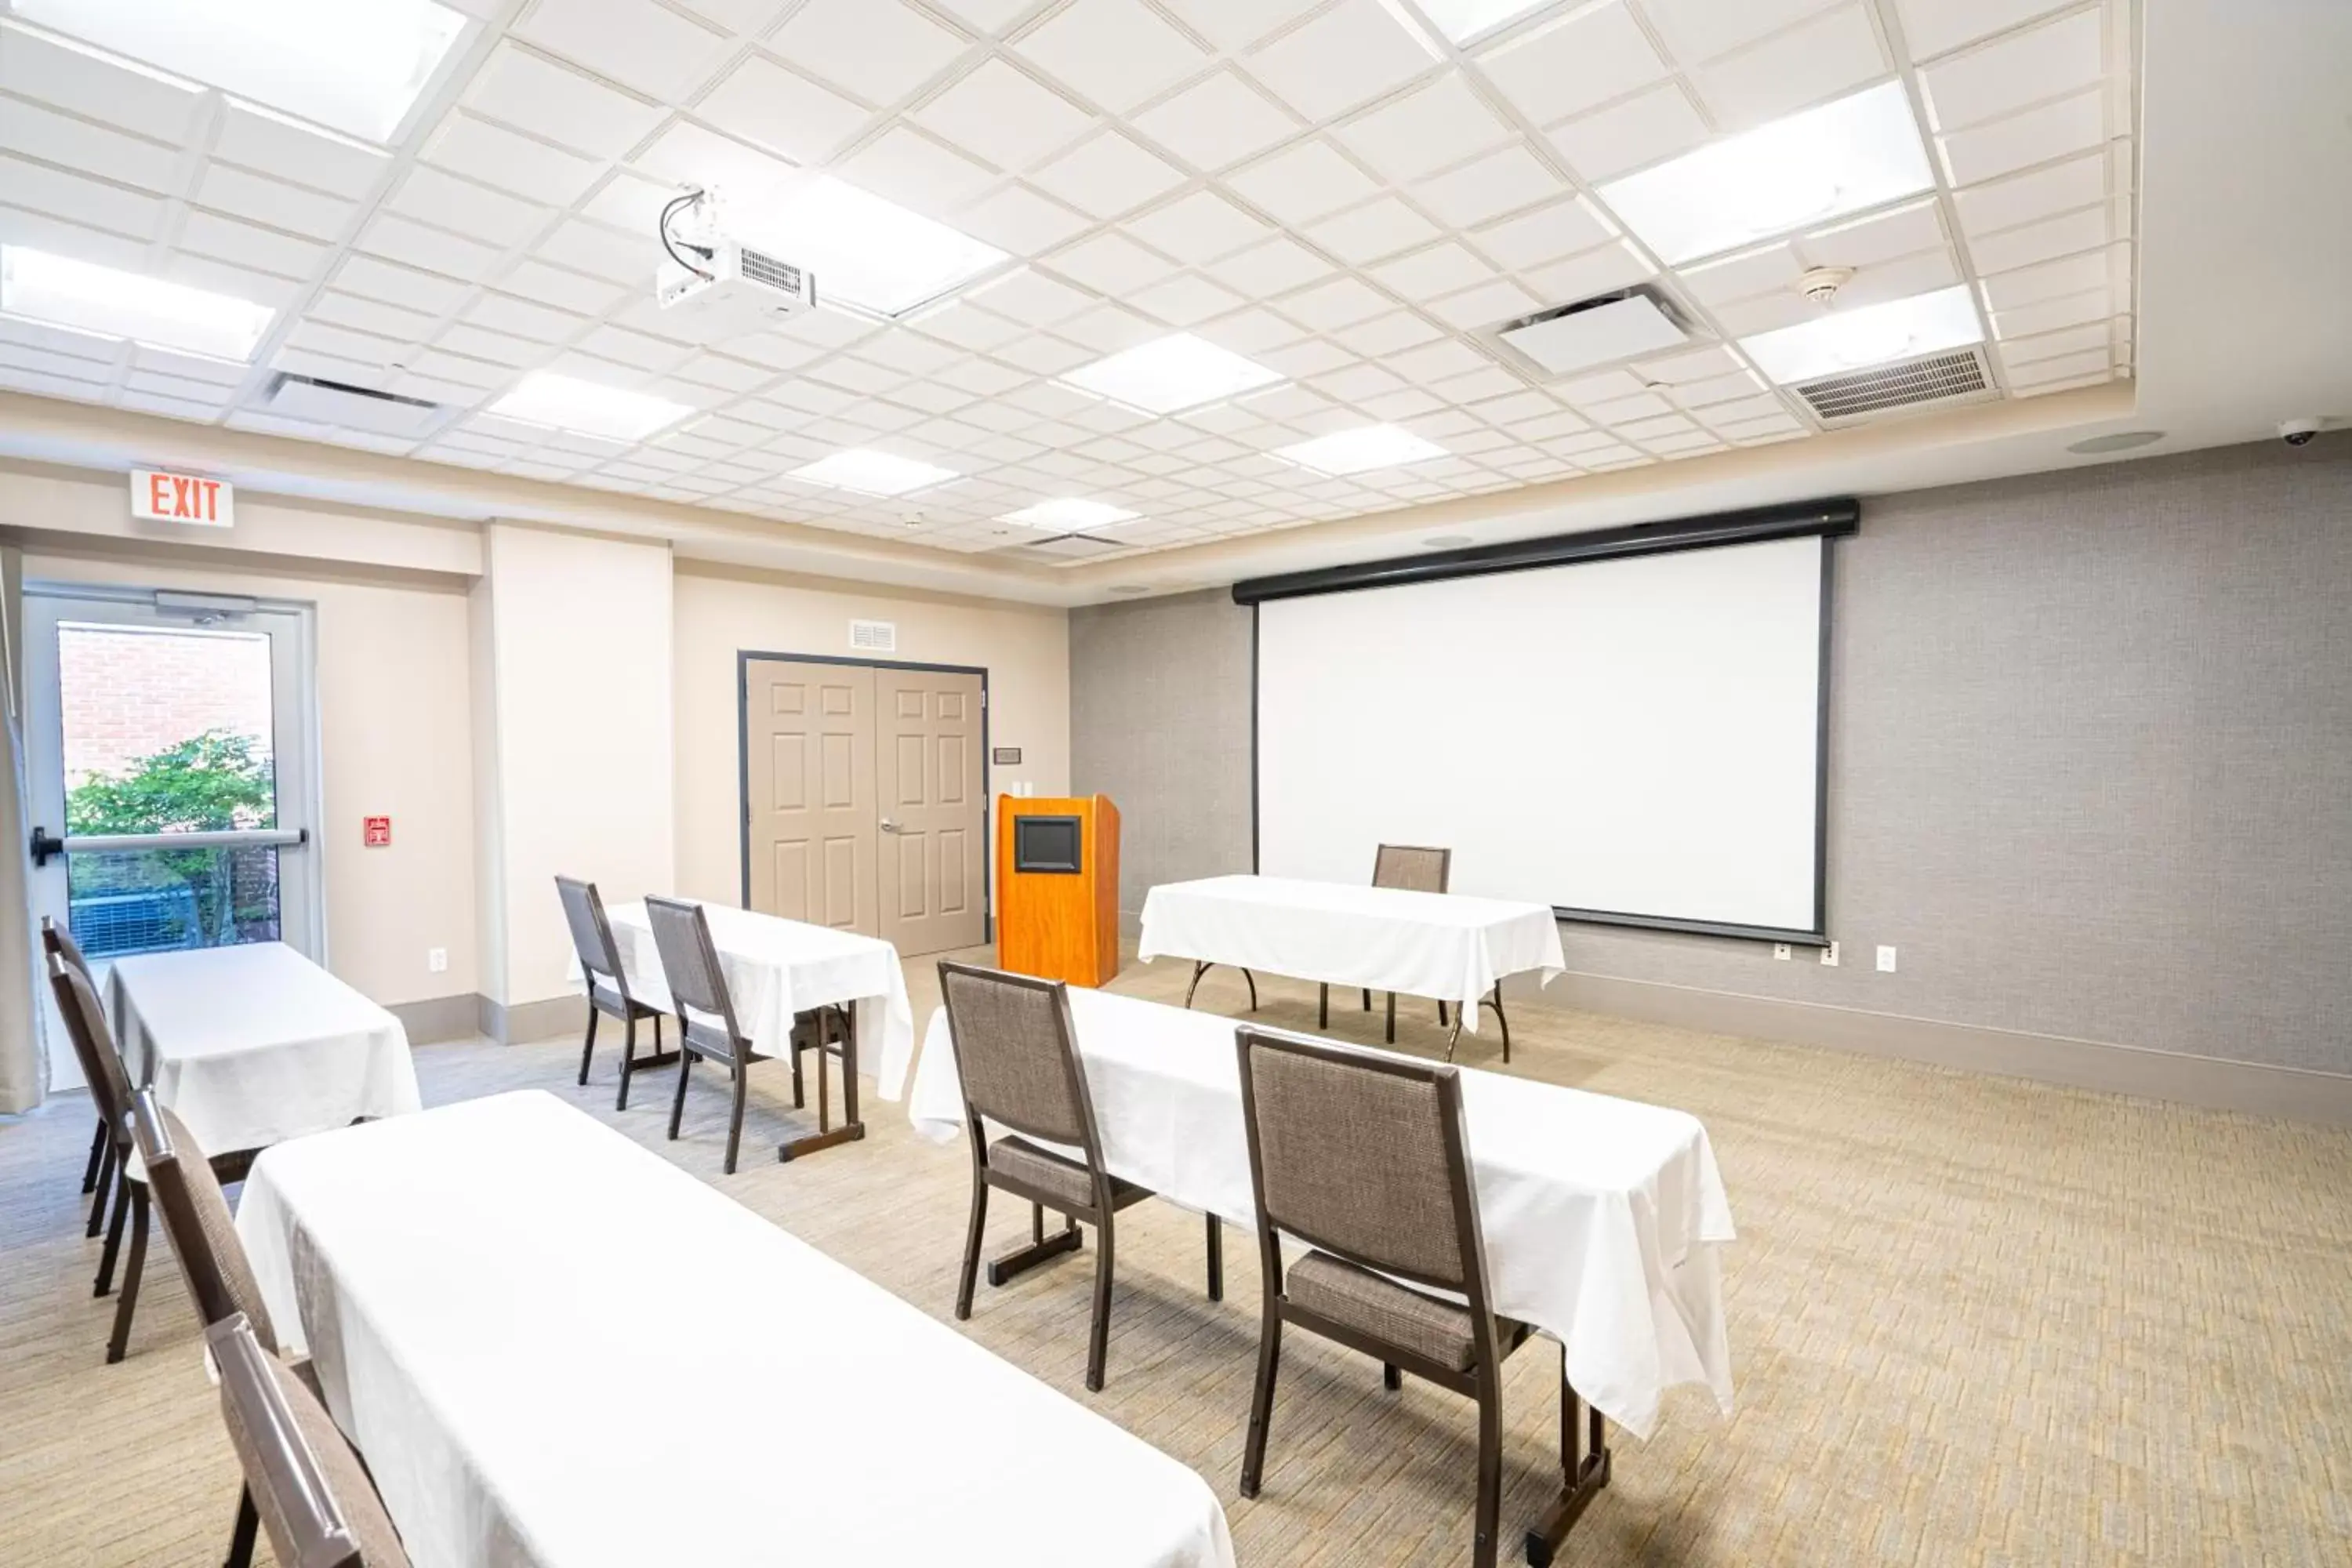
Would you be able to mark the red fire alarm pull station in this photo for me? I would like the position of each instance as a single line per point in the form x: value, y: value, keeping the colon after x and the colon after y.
x: 379, y: 832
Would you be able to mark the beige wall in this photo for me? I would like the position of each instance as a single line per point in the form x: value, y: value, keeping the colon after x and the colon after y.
x: 720, y: 613
x: 580, y: 667
x: 394, y: 737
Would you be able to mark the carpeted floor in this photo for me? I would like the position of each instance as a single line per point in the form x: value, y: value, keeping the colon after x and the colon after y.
x: 1975, y: 1320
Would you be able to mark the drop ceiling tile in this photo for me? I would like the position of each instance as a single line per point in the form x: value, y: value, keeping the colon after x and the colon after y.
x: 1932, y: 26
x: 781, y: 110
x: 1598, y: 271
x: 1302, y: 183
x: 1108, y: 175
x: 1341, y: 303
x: 463, y: 369
x: 1485, y: 306
x: 54, y: 138
x: 1373, y: 230
x: 523, y: 318
x: 1017, y: 219
x: 1715, y: 390
x: 1197, y: 227
x: 641, y: 45
x: 2067, y: 341
x: 515, y: 162
x: 878, y: 51
x: 1564, y: 228
x: 2071, y: 125
x: 988, y: 15
x: 1250, y: 331
x: 1278, y: 265
x: 1185, y: 302
x: 1033, y: 298
x: 1234, y: 24
x: 564, y: 287
x: 1425, y: 130
x: 999, y: 113
x: 1502, y: 182
x: 97, y: 88
x: 1441, y: 269
x: 1584, y: 59
x: 2049, y: 280
x: 914, y: 171
x: 498, y: 348
x: 1697, y: 30
x: 1764, y: 313
x: 1773, y: 268
x: 246, y: 245
x: 1646, y: 129
x: 398, y: 239
x: 1824, y: 57
x: 614, y: 256
x: 1623, y: 411
x: 1217, y: 123
x: 1873, y: 240
x: 476, y: 211
x: 1385, y: 335
x: 1109, y: 329
x: 533, y: 93
x: 1308, y: 357
x: 2079, y: 182
x: 1345, y: 56
x: 256, y: 197
x: 2013, y: 72
x: 970, y: 329
x: 259, y: 140
x: 371, y: 316
x: 420, y: 291
x: 343, y: 344
x: 637, y: 349
x: 77, y: 200
x: 2082, y: 229
x: 1752, y: 404
x: 1113, y: 53
x: 1108, y: 263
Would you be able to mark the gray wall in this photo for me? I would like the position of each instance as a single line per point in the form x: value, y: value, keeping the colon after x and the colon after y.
x: 2091, y: 762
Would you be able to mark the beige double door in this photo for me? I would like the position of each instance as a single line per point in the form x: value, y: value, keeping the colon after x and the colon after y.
x: 863, y: 805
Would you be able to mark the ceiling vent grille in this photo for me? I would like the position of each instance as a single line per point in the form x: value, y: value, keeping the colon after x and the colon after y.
x: 328, y: 402
x: 1065, y: 547
x: 1913, y: 384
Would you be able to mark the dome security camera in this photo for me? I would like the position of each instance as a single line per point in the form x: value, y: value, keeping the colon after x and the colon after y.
x: 2299, y: 432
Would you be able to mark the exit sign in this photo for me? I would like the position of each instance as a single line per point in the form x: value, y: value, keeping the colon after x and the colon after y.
x: 159, y: 497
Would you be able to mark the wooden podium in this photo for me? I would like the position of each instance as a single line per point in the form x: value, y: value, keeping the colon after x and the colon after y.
x: 1058, y: 887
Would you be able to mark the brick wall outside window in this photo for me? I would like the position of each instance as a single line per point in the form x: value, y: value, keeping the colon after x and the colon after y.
x: 130, y: 692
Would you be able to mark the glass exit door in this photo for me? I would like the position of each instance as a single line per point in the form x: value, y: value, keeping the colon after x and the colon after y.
x: 170, y: 762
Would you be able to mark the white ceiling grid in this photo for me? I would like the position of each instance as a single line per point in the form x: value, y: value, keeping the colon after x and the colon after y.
x: 1329, y: 186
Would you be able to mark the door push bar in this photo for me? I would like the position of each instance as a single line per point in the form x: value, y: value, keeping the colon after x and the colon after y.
x: 46, y: 845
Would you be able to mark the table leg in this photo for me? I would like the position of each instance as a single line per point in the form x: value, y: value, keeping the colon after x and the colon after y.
x: 1581, y: 1479
x: 851, y: 1128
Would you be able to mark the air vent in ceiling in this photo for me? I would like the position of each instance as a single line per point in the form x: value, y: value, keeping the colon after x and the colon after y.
x: 1065, y: 547
x: 1601, y: 331
x: 355, y: 408
x: 1958, y: 376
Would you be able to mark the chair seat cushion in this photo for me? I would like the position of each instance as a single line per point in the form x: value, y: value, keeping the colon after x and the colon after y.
x: 1382, y: 1309
x: 1057, y: 1175
x: 610, y: 1001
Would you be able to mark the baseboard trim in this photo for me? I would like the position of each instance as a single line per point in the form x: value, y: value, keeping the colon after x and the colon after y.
x: 438, y: 1018
x: 526, y: 1022
x: 2211, y: 1083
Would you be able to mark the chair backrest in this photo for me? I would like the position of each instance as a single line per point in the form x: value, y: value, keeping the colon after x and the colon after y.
x: 196, y: 1213
x: 690, y: 963
x: 1415, y: 867
x: 1017, y: 1054
x: 93, y: 1042
x: 1362, y: 1156
x: 591, y: 933
x: 58, y: 942
x: 313, y: 1496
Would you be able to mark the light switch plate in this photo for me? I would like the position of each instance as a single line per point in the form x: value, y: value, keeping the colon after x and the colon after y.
x: 1885, y: 960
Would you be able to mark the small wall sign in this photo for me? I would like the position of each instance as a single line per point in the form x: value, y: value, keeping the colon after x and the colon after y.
x: 379, y: 832
x: 1004, y: 756
x: 157, y: 496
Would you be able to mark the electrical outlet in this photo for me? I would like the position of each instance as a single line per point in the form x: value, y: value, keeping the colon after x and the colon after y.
x: 1829, y: 956
x: 1780, y: 950
x: 1885, y: 960
x: 437, y: 959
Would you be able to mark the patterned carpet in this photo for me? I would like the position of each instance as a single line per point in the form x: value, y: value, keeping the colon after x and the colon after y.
x: 1975, y: 1320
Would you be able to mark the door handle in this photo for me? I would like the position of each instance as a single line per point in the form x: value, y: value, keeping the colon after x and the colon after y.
x: 891, y: 826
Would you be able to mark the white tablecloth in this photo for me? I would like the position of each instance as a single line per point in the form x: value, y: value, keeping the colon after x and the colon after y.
x: 1602, y: 1216
x: 1444, y: 945
x: 557, y: 1350
x: 776, y: 968
x: 250, y: 1045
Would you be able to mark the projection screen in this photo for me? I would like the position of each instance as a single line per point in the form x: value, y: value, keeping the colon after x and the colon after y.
x: 1637, y: 740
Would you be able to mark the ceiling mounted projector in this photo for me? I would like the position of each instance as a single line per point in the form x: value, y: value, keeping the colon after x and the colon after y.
x: 709, y: 278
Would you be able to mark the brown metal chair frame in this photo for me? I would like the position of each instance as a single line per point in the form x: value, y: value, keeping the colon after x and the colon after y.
x: 1109, y: 1198
x: 1492, y: 999
x: 99, y: 1173
x: 109, y: 1085
x: 309, y: 1525
x: 600, y: 959
x: 1494, y: 1339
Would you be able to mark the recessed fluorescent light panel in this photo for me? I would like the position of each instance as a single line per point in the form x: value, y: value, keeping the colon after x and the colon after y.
x: 865, y: 253
x: 356, y: 66
x: 64, y: 292
x: 1839, y: 158
x: 872, y: 473
x: 1462, y: 20
x: 1172, y: 373
x: 1360, y: 451
x: 1872, y: 334
x: 588, y: 407
x: 1072, y: 513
